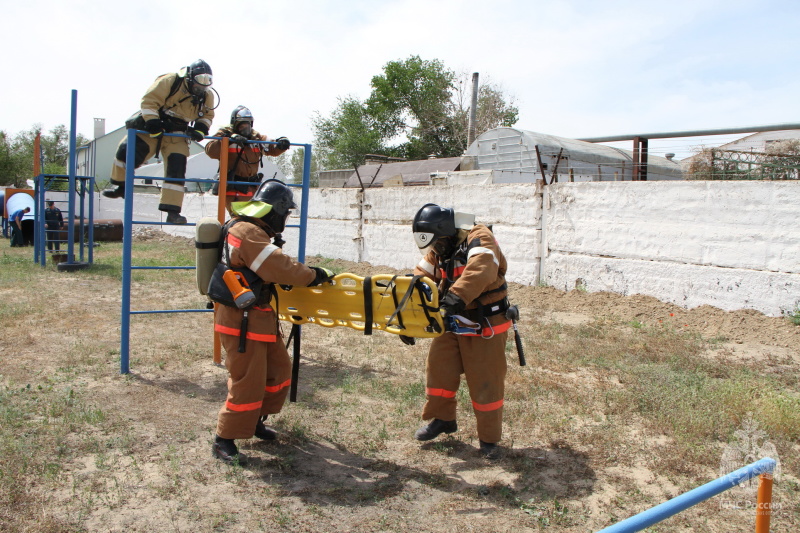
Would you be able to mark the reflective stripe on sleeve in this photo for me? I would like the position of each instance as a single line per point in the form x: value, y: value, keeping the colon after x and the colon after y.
x: 494, y: 406
x: 444, y: 393
x: 482, y: 250
x: 262, y: 256
x: 426, y: 266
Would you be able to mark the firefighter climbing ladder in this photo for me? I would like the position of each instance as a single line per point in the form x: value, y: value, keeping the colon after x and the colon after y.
x: 127, y: 240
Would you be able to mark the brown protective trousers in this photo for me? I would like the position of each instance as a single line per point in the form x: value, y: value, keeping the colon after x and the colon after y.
x: 259, y: 378
x: 171, y: 191
x: 483, y: 363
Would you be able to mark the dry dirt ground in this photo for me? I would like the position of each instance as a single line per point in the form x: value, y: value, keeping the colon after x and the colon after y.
x: 345, y: 460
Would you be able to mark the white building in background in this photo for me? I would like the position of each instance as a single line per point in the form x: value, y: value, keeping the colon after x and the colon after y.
x: 95, y: 159
x: 519, y: 156
x: 759, y: 142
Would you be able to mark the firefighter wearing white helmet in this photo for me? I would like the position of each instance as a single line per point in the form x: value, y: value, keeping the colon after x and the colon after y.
x: 466, y: 262
x: 260, y: 368
x: 179, y: 102
x: 244, y: 157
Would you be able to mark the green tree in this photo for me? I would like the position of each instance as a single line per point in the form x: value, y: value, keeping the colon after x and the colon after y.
x: 342, y: 140
x: 416, y: 108
x: 16, y: 156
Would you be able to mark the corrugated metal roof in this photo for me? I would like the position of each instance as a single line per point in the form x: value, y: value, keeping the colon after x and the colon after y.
x: 411, y: 172
x: 511, y: 148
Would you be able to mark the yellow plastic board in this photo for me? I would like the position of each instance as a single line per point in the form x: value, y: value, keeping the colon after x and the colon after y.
x: 342, y: 303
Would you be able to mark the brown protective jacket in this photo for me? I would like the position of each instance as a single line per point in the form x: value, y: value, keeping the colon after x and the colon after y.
x: 245, y: 162
x: 179, y: 107
x: 248, y: 245
x: 260, y: 376
x: 477, y: 268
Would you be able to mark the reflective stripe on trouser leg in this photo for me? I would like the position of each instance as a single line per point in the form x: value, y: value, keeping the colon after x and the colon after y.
x: 175, y: 151
x: 145, y: 148
x: 248, y: 373
x: 485, y: 369
x: 279, y: 377
x: 443, y: 370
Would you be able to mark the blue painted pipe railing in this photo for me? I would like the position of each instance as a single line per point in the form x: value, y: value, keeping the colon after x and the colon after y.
x: 693, y: 497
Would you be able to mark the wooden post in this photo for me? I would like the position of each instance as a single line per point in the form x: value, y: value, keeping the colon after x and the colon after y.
x: 222, y: 198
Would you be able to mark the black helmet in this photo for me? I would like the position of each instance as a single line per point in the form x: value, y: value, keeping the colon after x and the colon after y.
x: 241, y: 114
x: 199, y: 76
x: 277, y: 194
x: 433, y: 223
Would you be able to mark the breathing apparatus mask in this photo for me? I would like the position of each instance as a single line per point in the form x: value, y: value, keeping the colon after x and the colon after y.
x: 199, y: 77
x: 242, y: 121
x: 440, y: 229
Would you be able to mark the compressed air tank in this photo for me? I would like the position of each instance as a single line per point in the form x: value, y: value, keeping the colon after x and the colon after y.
x: 206, y: 242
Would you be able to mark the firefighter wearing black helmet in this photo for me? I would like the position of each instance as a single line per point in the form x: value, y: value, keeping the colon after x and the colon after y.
x: 260, y: 375
x: 244, y: 157
x: 179, y: 102
x: 469, y: 268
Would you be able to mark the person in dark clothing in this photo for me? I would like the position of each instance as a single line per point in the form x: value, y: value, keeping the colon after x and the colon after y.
x: 17, y: 237
x: 53, y: 223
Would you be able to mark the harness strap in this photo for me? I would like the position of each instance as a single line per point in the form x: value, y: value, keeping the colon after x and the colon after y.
x: 368, y: 305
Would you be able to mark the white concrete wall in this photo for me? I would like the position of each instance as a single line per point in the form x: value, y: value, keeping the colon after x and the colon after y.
x: 732, y: 245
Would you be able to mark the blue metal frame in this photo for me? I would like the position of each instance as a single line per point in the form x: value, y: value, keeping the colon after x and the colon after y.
x: 40, y: 190
x: 693, y: 497
x: 127, y: 239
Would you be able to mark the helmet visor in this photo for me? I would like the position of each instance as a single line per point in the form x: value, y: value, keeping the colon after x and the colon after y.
x: 424, y: 241
x: 203, y: 79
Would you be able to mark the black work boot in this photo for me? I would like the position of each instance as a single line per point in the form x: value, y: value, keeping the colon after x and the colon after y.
x: 263, y: 432
x: 435, y: 428
x: 119, y: 192
x: 175, y: 218
x: 226, y: 451
x: 489, y: 450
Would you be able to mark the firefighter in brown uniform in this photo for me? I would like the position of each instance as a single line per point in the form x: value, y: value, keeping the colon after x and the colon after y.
x: 244, y: 158
x: 261, y: 374
x: 181, y: 102
x: 469, y: 268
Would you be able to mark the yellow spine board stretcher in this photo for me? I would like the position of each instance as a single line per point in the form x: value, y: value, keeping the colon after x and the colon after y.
x: 403, y: 305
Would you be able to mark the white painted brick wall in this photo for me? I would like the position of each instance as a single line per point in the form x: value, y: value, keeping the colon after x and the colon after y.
x: 732, y: 245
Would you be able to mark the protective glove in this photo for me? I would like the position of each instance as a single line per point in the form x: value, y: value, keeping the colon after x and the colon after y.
x: 410, y: 341
x: 451, y: 304
x: 154, y: 127
x: 322, y: 275
x: 283, y: 143
x: 194, y: 134
x: 240, y: 140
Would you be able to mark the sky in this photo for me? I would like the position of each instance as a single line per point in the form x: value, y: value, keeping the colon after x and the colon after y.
x: 574, y: 68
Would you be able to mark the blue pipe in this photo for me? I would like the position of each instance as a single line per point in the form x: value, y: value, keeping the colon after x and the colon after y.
x: 301, y: 253
x: 693, y: 497
x: 71, y: 173
x: 127, y: 238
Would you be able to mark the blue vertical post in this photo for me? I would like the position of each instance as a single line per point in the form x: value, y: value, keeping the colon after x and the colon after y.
x: 39, y: 221
x: 127, y: 237
x: 91, y: 219
x: 71, y: 173
x: 301, y: 251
